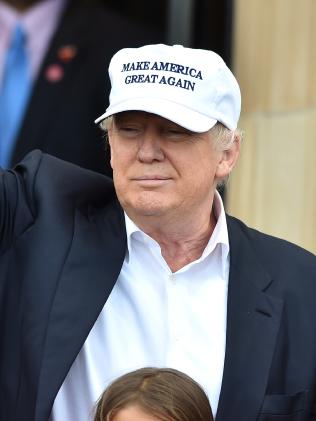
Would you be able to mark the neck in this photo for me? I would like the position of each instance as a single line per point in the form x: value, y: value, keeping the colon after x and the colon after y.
x: 181, y: 242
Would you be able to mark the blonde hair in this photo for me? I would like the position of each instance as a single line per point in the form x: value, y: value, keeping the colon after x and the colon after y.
x: 224, y: 137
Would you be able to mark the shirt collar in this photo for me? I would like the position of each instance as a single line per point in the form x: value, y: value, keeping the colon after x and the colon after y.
x: 32, y: 19
x: 9, y: 16
x: 8, y: 20
x: 219, y: 236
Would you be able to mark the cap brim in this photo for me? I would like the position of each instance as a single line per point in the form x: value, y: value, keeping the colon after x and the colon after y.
x: 177, y: 113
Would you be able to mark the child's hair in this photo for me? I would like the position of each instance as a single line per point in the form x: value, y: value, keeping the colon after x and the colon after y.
x: 165, y: 393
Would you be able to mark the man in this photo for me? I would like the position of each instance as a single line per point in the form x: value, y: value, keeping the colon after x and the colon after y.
x: 68, y: 44
x: 98, y: 281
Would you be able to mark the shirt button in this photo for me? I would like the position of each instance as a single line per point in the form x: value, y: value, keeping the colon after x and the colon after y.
x: 172, y: 278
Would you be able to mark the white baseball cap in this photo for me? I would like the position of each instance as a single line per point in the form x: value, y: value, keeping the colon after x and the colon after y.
x: 191, y: 87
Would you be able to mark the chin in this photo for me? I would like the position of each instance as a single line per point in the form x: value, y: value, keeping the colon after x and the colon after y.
x: 148, y: 205
x: 148, y: 209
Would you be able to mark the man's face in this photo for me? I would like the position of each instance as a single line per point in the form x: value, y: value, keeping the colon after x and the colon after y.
x: 160, y: 168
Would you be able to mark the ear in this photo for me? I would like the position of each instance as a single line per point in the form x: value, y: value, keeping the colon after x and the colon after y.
x: 228, y: 159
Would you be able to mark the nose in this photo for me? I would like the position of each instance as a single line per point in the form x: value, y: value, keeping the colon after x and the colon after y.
x: 150, y: 149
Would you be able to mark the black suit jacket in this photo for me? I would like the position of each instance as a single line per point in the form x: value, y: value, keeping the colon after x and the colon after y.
x: 60, y: 115
x: 63, y: 243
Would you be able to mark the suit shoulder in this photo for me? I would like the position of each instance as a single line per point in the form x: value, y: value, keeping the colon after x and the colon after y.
x: 270, y: 247
x: 48, y: 175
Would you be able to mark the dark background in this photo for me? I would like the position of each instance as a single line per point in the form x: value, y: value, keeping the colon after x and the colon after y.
x: 211, y: 26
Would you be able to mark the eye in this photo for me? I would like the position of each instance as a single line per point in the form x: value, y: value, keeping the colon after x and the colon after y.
x: 177, y: 133
x: 129, y: 131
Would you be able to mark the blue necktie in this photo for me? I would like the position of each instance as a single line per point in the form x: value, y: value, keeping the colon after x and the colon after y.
x: 13, y: 94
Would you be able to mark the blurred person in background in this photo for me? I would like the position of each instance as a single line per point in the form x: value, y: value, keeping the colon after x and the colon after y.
x: 53, y: 55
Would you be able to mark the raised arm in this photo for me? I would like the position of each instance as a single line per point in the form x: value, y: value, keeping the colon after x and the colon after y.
x: 16, y: 207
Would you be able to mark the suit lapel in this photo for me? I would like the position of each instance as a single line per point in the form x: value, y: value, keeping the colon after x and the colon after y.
x: 253, y: 319
x: 88, y: 276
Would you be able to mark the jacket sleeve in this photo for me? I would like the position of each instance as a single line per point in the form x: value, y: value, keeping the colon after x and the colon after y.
x: 17, y: 204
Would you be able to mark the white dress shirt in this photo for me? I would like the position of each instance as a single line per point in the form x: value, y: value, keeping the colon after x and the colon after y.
x: 156, y: 318
x: 39, y: 22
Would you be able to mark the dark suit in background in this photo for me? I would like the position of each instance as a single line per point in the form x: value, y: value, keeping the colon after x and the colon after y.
x: 52, y: 293
x: 60, y: 115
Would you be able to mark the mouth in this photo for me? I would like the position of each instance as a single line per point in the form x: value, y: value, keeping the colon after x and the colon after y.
x: 151, y: 177
x: 151, y: 180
